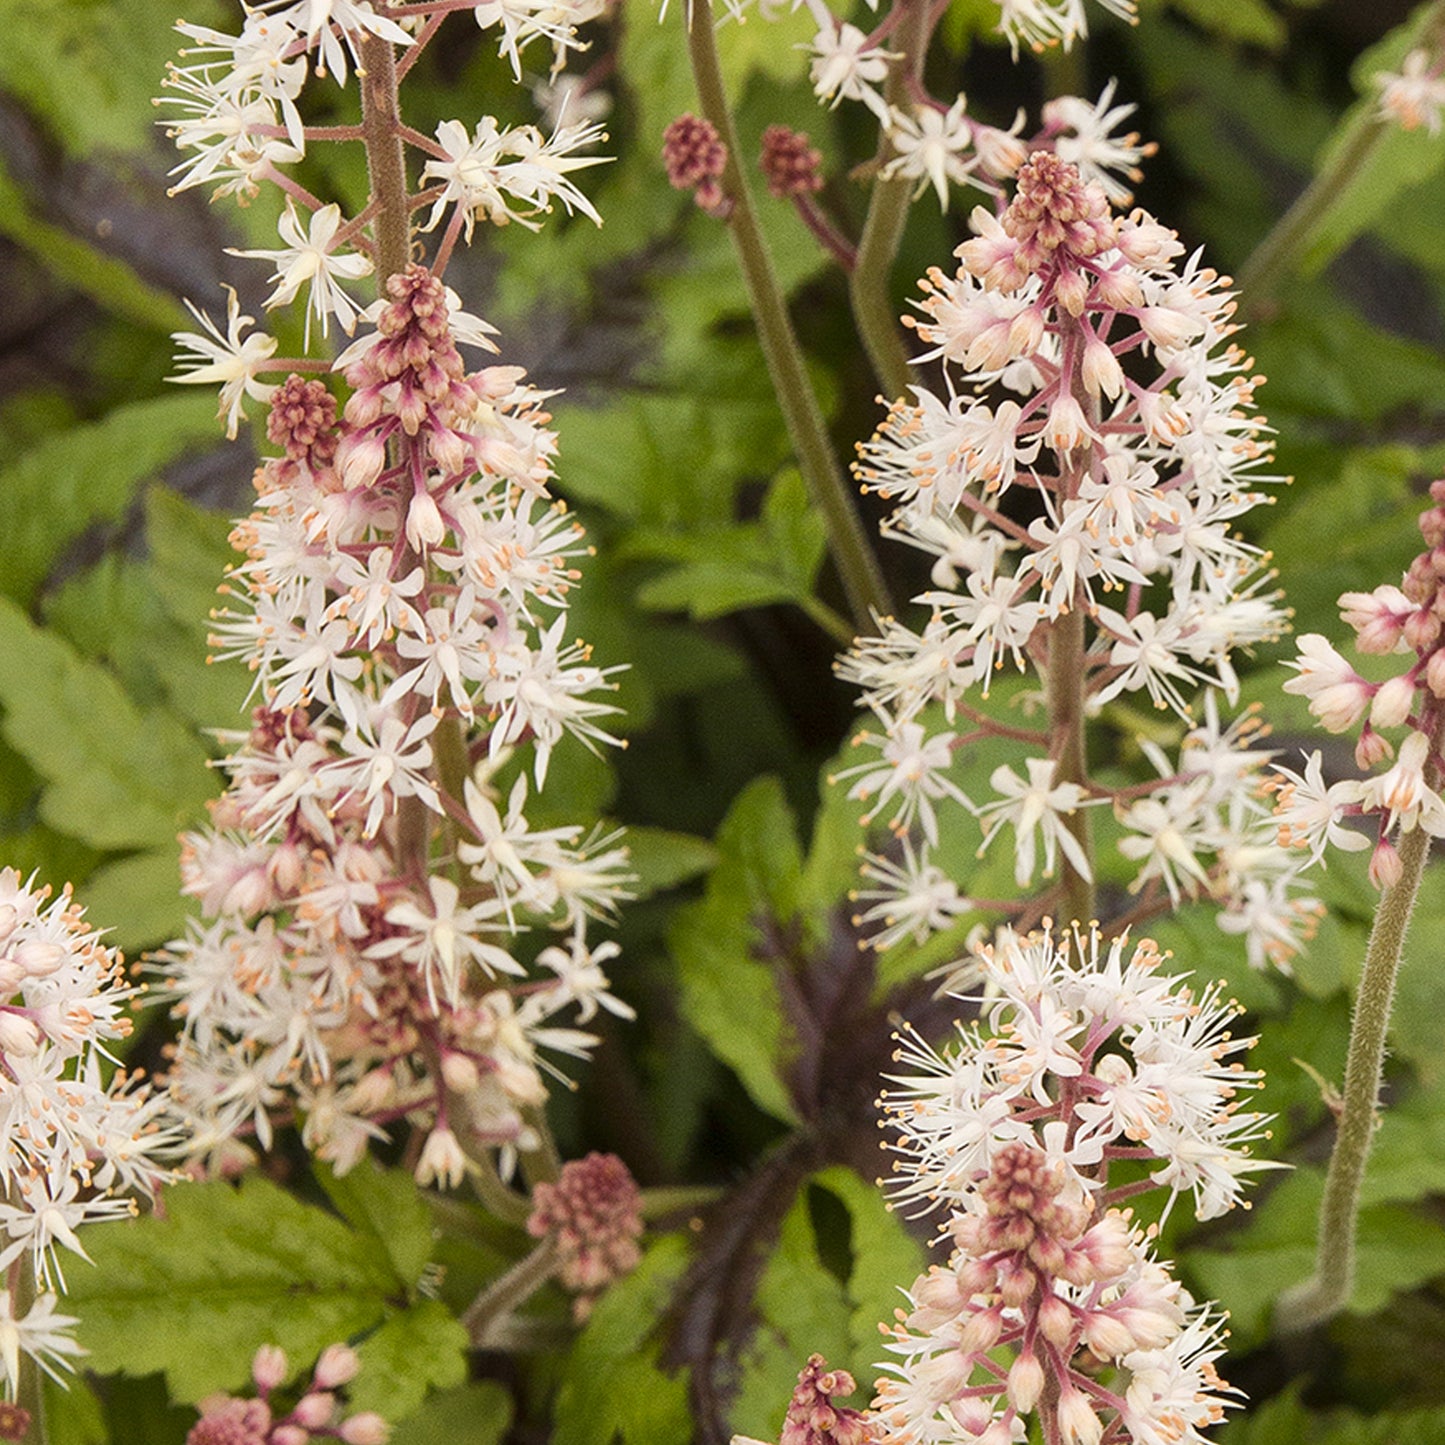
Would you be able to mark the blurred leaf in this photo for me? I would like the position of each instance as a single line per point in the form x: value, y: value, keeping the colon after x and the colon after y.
x: 476, y: 1414
x: 886, y: 1259
x: 387, y: 1205
x: 1398, y: 1248
x: 748, y: 565
x: 227, y: 1270
x: 1284, y: 1420
x: 106, y: 279
x: 663, y: 859
x: 802, y: 1310
x: 72, y: 1414
x: 415, y: 1350
x: 1249, y: 22
x: 119, y: 776
x: 138, y: 899
x: 612, y: 1385
x: 715, y: 942
x: 88, y: 474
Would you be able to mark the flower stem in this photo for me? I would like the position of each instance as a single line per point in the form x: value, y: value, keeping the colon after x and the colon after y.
x: 1282, y: 249
x: 385, y: 160
x: 1327, y: 1291
x: 1065, y: 690
x: 30, y: 1388
x: 492, y: 1306
x: 869, y: 280
x: 857, y: 566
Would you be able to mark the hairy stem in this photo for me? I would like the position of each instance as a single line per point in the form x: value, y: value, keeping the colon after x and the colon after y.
x: 1282, y: 249
x: 1327, y: 1291
x: 385, y: 159
x: 30, y: 1388
x: 847, y: 542
x: 499, y: 1299
x: 869, y: 282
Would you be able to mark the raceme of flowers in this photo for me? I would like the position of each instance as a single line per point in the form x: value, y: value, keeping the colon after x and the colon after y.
x: 1405, y: 620
x: 1077, y: 482
x: 385, y: 935
x: 82, y: 1137
x: 1088, y: 1061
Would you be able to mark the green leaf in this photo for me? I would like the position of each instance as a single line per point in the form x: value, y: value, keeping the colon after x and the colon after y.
x: 72, y: 1414
x: 387, y: 1205
x: 1398, y: 1248
x: 886, y: 1259
x: 416, y: 1350
x: 473, y: 1415
x: 119, y: 776
x: 802, y: 1310
x: 138, y: 899
x: 1284, y: 1420
x: 714, y: 942
x: 227, y: 1270
x: 663, y: 859
x: 1250, y: 22
x: 88, y: 474
x: 612, y: 1384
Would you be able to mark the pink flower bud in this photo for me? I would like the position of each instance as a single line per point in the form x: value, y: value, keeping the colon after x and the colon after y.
x: 1025, y: 1382
x: 424, y: 525
x: 337, y: 1366
x: 1372, y: 748
x: 1072, y: 290
x: 18, y: 1035
x: 315, y: 1409
x: 269, y: 1368
x: 1435, y: 673
x: 1100, y: 369
x: 289, y: 1435
x: 1385, y: 865
x: 1392, y: 702
x: 367, y: 1428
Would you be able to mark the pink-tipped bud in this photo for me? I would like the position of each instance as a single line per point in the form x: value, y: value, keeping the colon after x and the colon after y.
x: 1056, y: 1319
x: 18, y: 1035
x: 1072, y: 291
x: 1435, y: 673
x: 269, y: 1368
x: 315, y: 1409
x: 1372, y: 748
x: 1392, y: 702
x: 1025, y: 1382
x: 337, y: 1366
x: 1378, y: 617
x: 424, y: 526
x: 289, y: 1435
x: 367, y: 1428
x: 460, y: 1073
x: 1100, y: 369
x: 1386, y: 868
x: 1077, y: 1420
x: 360, y: 458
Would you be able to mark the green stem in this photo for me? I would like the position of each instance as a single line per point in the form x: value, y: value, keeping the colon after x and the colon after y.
x: 505, y: 1293
x: 1327, y: 1291
x: 1282, y: 249
x: 857, y: 566
x: 30, y: 1388
x: 869, y: 282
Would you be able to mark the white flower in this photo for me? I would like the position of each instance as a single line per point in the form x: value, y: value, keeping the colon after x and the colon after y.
x: 42, y: 1334
x: 934, y: 147
x: 308, y: 260
x: 1100, y: 155
x: 913, y: 769
x: 1041, y: 23
x: 846, y: 67
x: 1038, y: 805
x: 1415, y: 95
x: 1337, y: 695
x: 913, y: 898
x: 334, y: 28
x: 1402, y: 792
x: 233, y: 360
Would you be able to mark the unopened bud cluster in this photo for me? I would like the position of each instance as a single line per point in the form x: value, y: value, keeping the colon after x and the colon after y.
x: 1409, y: 621
x: 593, y: 1215
x: 319, y: 1413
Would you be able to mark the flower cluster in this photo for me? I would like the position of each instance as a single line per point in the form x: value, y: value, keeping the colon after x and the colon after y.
x: 371, y: 885
x: 1077, y: 485
x: 1408, y: 620
x: 82, y: 1138
x: 593, y: 1214
x: 317, y: 1415
x: 391, y: 609
x: 1091, y: 1062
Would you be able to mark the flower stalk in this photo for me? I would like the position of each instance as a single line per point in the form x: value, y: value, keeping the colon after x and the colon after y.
x: 862, y: 578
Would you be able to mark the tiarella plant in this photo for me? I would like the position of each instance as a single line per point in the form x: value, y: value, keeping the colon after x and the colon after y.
x: 321, y: 1194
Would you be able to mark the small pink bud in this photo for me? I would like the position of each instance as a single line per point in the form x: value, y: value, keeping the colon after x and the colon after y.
x: 337, y: 1366
x: 289, y: 1435
x: 269, y: 1368
x: 424, y: 526
x: 460, y: 1073
x: 315, y: 1409
x: 1101, y: 370
x: 367, y: 1428
x: 1385, y: 865
x: 1072, y: 289
x: 1056, y: 1319
x: 18, y: 1035
x: 1435, y: 673
x: 1372, y: 748
x: 1392, y: 702
x: 1025, y: 1382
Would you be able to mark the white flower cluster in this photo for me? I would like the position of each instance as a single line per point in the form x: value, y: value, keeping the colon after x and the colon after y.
x: 1084, y: 469
x: 1090, y: 1061
x: 81, y: 1137
x: 371, y: 875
